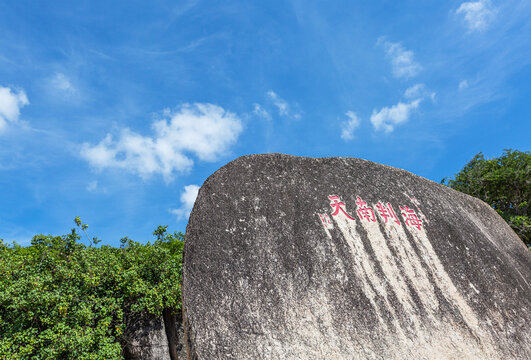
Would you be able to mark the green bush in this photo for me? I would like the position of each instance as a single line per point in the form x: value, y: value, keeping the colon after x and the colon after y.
x: 61, y: 299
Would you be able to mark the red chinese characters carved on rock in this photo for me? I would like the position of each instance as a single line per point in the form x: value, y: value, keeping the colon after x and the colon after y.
x: 325, y: 219
x: 337, y: 206
x: 386, y: 211
x: 364, y: 212
x: 410, y: 217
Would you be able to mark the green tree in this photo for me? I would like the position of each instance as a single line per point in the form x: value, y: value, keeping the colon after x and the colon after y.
x: 61, y: 299
x: 504, y: 183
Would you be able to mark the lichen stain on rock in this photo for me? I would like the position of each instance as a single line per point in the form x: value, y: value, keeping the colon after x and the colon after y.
x: 399, y: 268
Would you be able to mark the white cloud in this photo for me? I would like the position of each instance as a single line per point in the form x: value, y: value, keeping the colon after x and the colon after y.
x: 204, y: 130
x: 387, y: 118
x: 284, y: 109
x: 188, y: 197
x: 477, y: 15
x: 463, y: 84
x: 261, y: 112
x: 10, y: 104
x: 402, y: 60
x: 348, y: 127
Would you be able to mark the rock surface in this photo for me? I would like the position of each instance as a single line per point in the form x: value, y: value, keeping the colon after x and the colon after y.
x: 144, y: 338
x: 148, y: 337
x: 340, y: 258
x: 181, y: 348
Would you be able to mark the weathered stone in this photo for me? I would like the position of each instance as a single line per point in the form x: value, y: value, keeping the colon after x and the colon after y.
x: 274, y: 268
x: 181, y: 348
x: 150, y: 337
x: 144, y: 338
x: 173, y: 325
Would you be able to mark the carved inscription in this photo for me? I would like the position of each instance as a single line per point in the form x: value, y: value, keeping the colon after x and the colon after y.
x: 411, y: 218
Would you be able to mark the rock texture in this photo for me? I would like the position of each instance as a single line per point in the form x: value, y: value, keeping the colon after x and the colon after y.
x: 173, y: 325
x: 148, y: 337
x: 181, y: 348
x: 341, y: 258
x: 144, y: 338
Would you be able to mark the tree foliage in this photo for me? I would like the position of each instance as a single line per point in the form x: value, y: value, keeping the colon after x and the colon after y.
x: 61, y: 299
x: 504, y: 183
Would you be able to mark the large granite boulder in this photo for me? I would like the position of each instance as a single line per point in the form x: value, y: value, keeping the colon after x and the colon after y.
x: 340, y: 258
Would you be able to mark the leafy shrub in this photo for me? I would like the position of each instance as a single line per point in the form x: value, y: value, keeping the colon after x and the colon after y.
x: 61, y: 299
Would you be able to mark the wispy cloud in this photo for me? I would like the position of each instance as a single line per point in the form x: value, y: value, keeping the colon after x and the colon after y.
x: 419, y: 91
x: 202, y: 129
x: 477, y: 15
x: 188, y: 197
x: 60, y: 87
x: 387, y: 118
x: 414, y: 91
x: 280, y: 103
x: 92, y: 186
x: 95, y: 187
x: 463, y: 84
x: 283, y: 107
x: 348, y: 127
x: 61, y: 82
x: 482, y: 71
x: 261, y: 112
x: 10, y: 104
x: 402, y: 60
x: 182, y: 8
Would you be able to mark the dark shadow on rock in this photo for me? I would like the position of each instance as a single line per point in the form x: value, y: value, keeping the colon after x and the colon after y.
x: 174, y: 333
x: 144, y: 337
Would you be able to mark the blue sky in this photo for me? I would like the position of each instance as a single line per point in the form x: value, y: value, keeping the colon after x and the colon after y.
x: 117, y: 111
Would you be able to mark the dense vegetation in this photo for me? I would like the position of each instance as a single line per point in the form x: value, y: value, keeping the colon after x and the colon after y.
x: 61, y: 299
x: 504, y: 183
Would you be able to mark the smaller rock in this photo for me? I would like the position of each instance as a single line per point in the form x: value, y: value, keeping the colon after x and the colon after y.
x: 144, y: 337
